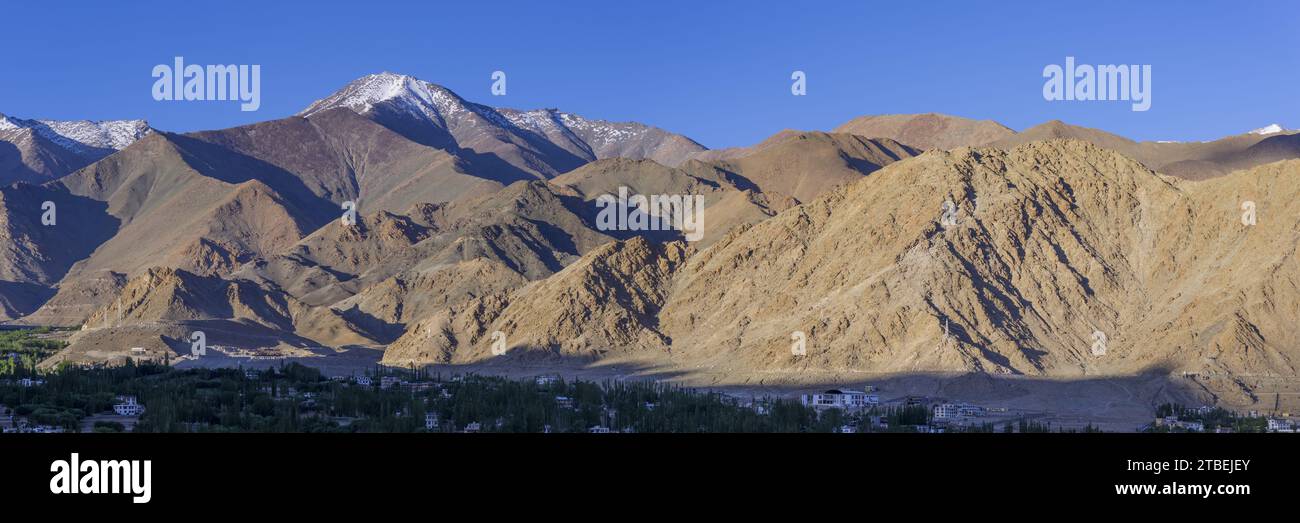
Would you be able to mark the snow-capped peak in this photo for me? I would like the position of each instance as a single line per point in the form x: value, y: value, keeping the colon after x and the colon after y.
x: 388, y: 95
x: 1270, y: 129
x: 80, y: 135
x: 419, y: 98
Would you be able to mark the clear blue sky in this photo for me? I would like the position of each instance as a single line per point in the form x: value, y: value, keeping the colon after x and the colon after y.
x: 716, y: 71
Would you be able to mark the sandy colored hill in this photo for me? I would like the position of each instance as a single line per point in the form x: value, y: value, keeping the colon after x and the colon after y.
x: 1052, y: 242
x: 171, y: 214
x: 1188, y: 160
x: 927, y: 131
x: 212, y: 201
x: 726, y: 203
x: 606, y: 302
x: 803, y: 164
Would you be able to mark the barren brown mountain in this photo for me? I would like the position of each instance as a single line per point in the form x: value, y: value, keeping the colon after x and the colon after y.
x: 927, y: 131
x: 1189, y: 160
x: 1058, y: 259
x: 1054, y: 247
x: 803, y: 164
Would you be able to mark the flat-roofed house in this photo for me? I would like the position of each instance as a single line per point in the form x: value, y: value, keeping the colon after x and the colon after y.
x: 841, y: 399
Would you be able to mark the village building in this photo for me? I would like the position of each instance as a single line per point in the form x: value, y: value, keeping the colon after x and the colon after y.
x: 128, y: 406
x: 841, y: 399
x: 1280, y: 425
x: 949, y: 411
x: 946, y: 411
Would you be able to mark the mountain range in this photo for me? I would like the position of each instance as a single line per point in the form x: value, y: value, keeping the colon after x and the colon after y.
x: 40, y: 150
x: 898, y: 244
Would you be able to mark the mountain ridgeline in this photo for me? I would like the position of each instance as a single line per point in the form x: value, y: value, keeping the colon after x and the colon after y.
x: 898, y: 245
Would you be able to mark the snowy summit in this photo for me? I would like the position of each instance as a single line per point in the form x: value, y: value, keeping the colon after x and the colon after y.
x: 1270, y: 129
x: 423, y: 100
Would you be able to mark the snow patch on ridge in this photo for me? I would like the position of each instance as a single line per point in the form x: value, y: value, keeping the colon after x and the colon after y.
x: 81, y: 136
x: 423, y: 100
x: 1270, y: 129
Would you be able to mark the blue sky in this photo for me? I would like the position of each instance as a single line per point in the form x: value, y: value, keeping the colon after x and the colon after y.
x: 716, y: 71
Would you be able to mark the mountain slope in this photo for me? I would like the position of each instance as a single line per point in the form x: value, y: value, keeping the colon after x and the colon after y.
x: 927, y: 131
x: 1051, y: 243
x: 604, y: 303
x: 803, y: 165
x: 1188, y: 160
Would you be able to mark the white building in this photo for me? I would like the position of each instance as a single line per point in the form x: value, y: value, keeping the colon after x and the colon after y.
x: 388, y: 382
x: 364, y: 381
x: 28, y: 382
x: 841, y: 399
x: 474, y: 427
x: 1280, y: 425
x: 430, y: 421
x: 848, y: 429
x: 599, y: 429
x: 128, y: 406
x: 946, y: 411
x: 547, y: 379
x: 943, y: 411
